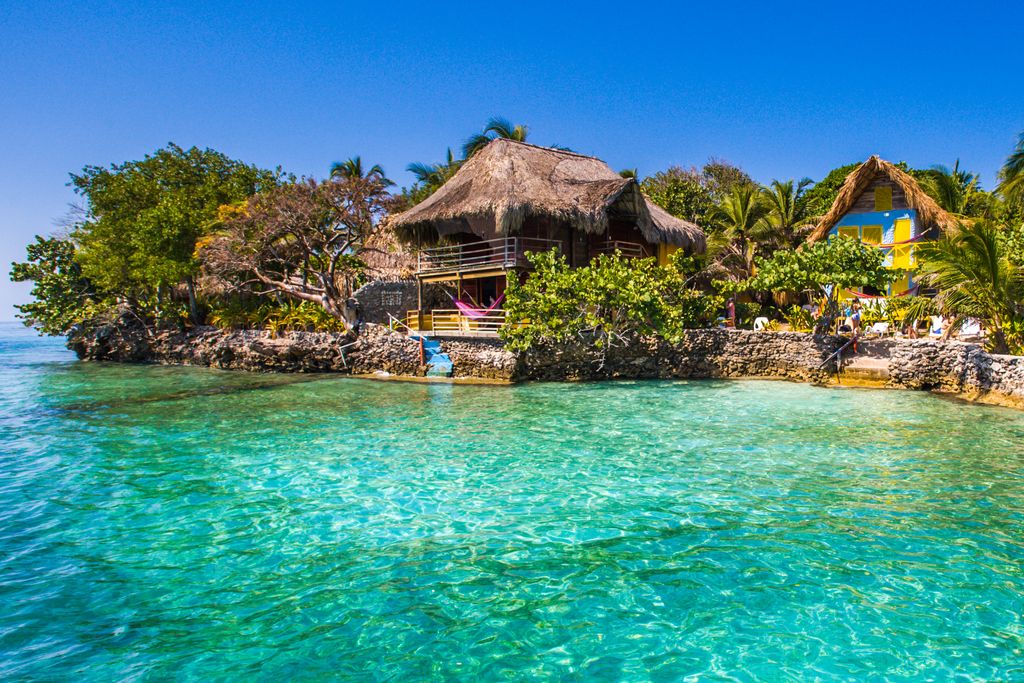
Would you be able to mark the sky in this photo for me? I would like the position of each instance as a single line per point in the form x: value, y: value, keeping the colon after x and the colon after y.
x: 784, y: 90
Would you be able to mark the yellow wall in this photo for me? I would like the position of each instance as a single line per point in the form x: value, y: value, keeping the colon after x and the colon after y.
x: 664, y: 251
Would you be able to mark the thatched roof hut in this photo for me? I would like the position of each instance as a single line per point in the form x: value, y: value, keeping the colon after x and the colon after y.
x: 907, y: 194
x: 387, y: 259
x: 507, y: 182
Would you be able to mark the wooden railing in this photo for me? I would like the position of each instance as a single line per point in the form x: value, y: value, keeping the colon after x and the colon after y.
x: 506, y: 252
x: 450, y: 322
x: 628, y: 249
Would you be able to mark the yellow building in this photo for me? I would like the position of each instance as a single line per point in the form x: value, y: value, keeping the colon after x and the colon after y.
x: 883, y: 206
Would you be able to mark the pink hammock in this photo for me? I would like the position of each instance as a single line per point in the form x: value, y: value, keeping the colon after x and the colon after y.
x: 471, y: 312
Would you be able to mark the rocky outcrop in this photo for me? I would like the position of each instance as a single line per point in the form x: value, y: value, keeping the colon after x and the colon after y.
x: 951, y: 367
x: 700, y: 353
x: 957, y: 368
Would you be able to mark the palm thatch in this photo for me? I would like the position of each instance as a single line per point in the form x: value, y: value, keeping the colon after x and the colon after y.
x: 387, y: 259
x: 506, y: 182
x: 931, y: 215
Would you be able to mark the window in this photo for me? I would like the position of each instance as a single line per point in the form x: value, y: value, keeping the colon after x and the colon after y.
x: 871, y: 234
x: 849, y: 231
x: 883, y: 199
x: 903, y: 256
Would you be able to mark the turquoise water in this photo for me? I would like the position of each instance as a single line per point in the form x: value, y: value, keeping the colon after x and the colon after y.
x: 188, y: 523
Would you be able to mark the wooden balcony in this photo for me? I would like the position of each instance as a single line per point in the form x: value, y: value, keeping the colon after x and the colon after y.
x: 627, y: 249
x: 497, y: 255
x: 453, y: 323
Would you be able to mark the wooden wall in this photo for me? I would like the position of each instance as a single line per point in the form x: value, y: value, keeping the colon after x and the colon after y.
x: 866, y: 201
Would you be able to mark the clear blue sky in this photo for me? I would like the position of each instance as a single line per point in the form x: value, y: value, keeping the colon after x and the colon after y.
x: 787, y: 89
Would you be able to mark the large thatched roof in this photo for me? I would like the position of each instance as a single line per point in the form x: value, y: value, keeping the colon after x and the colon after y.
x: 507, y: 181
x: 387, y: 259
x: 930, y: 213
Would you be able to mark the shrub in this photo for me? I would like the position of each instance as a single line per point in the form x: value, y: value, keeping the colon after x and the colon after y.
x: 605, y: 302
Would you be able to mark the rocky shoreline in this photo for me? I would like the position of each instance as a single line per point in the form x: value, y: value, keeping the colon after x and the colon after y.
x: 964, y: 370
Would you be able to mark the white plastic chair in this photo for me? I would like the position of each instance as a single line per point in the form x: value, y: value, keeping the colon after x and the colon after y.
x: 760, y: 323
x: 971, y: 327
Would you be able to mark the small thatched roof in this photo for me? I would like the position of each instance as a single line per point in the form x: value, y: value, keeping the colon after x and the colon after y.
x: 930, y: 213
x: 386, y: 258
x: 507, y: 181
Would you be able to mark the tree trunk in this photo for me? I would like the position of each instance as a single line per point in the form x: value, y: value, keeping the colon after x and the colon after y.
x: 193, y: 306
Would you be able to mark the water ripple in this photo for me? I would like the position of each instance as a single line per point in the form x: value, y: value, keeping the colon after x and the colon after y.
x: 169, y: 522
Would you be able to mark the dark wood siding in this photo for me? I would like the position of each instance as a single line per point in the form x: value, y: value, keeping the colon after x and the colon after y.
x: 866, y: 201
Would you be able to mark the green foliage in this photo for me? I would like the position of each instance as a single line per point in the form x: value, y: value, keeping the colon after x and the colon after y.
x: 605, y: 302
x: 353, y: 168
x: 820, y: 197
x: 839, y: 261
x: 1012, y: 237
x: 497, y: 127
x: 62, y: 297
x: 974, y: 276
x: 955, y: 190
x: 799, y: 319
x: 788, y: 217
x: 693, y: 194
x: 239, y: 313
x: 747, y: 312
x: 1011, y: 176
x: 144, y: 217
x: 683, y: 193
x: 908, y: 311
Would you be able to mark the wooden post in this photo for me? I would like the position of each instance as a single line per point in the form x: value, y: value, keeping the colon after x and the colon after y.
x: 419, y: 305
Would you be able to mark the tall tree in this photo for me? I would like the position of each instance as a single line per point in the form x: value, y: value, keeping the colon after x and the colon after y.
x: 787, y: 211
x: 62, y: 297
x: 143, y: 218
x: 1011, y: 177
x: 353, y: 168
x: 303, y: 240
x: 743, y: 214
x: 429, y: 178
x: 820, y: 198
x: 496, y: 127
x: 952, y: 188
x: 974, y: 276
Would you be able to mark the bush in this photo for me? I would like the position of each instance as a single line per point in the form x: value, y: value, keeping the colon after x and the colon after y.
x: 605, y: 302
x: 243, y: 314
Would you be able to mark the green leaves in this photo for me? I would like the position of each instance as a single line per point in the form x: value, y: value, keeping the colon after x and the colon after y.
x: 62, y: 297
x: 974, y: 276
x: 605, y: 302
x: 144, y: 217
x: 838, y: 261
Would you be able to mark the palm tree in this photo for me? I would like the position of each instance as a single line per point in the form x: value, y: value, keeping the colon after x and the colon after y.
x: 743, y: 215
x: 353, y: 168
x: 630, y: 173
x: 952, y: 189
x: 787, y: 211
x: 496, y: 127
x: 974, y: 278
x: 434, y: 175
x: 1011, y: 176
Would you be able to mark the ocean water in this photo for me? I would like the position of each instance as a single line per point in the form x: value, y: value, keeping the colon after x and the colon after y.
x: 195, y: 524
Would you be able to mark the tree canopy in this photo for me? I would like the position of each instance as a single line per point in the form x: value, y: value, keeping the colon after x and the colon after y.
x: 62, y: 297
x: 143, y: 218
x: 302, y: 240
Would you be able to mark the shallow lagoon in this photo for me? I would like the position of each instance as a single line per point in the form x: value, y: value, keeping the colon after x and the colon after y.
x: 177, y: 522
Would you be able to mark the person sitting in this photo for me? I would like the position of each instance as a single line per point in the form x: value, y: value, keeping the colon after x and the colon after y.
x: 855, y: 325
